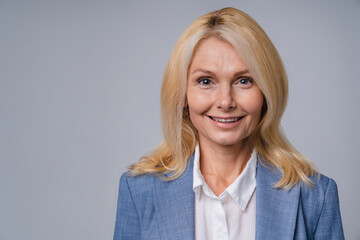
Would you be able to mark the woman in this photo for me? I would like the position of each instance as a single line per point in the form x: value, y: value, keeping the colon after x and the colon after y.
x: 224, y: 169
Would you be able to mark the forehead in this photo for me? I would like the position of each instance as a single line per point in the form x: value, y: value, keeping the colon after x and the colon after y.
x: 216, y: 53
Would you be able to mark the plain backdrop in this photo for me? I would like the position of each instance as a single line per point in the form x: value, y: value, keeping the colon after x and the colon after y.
x: 79, y: 101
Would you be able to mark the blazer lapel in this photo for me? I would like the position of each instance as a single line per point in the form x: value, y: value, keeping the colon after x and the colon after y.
x: 175, y: 206
x: 276, y: 209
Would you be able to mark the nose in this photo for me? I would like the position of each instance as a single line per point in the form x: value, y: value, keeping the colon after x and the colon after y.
x: 225, y: 98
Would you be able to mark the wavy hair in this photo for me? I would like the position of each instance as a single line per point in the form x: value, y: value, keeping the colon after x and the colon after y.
x: 265, y: 65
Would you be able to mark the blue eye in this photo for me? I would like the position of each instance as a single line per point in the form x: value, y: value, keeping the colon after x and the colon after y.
x: 204, y: 81
x: 245, y: 81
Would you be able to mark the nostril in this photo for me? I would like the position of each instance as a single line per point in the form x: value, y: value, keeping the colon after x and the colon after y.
x: 227, y: 103
x: 225, y: 98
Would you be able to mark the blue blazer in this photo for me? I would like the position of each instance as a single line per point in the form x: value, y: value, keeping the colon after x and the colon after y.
x: 150, y: 208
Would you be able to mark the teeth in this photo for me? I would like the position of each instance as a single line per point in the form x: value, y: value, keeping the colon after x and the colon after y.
x: 227, y: 120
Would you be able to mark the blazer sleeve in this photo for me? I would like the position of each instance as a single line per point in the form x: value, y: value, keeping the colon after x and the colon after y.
x: 329, y: 225
x: 127, y: 225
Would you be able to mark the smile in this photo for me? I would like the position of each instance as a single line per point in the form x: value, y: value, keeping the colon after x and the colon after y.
x: 226, y: 120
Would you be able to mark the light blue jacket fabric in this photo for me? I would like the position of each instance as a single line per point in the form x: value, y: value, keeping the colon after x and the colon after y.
x: 150, y: 208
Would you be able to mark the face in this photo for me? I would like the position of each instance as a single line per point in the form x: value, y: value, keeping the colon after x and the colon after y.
x: 223, y: 99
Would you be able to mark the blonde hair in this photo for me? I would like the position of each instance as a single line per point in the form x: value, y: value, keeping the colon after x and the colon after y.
x: 265, y: 65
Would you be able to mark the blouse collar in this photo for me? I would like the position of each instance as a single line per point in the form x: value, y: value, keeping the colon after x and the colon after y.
x: 240, y: 190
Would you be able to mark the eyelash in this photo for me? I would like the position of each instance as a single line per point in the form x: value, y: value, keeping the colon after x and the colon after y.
x: 248, y: 79
x: 201, y: 81
x: 240, y: 81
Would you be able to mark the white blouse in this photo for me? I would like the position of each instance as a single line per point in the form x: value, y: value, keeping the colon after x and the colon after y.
x: 231, y: 215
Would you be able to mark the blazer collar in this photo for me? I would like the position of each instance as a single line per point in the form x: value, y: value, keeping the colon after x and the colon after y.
x: 276, y: 209
x: 175, y: 206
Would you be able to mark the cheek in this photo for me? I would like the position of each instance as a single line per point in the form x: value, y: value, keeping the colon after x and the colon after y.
x: 253, y: 102
x: 198, y: 103
x: 196, y: 114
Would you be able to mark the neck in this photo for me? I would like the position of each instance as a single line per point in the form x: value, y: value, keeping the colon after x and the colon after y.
x: 221, y: 165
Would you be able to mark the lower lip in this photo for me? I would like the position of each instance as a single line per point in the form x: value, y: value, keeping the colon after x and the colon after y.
x: 226, y: 125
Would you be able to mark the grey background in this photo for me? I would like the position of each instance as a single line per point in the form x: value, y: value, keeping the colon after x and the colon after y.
x: 79, y: 101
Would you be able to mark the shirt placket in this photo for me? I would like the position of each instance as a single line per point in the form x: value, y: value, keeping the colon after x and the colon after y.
x: 220, y: 230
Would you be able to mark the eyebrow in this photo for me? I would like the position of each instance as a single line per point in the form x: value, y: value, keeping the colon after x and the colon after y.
x: 211, y: 73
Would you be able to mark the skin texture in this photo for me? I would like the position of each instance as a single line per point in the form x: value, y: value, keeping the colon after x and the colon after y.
x: 220, y: 86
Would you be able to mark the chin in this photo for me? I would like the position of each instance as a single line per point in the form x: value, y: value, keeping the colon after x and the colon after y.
x: 229, y: 141
x: 234, y: 139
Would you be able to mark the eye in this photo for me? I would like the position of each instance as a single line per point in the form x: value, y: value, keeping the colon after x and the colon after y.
x: 245, y: 82
x: 204, y: 81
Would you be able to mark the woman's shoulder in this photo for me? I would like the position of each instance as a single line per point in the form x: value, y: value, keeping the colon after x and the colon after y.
x: 323, y: 188
x: 139, y: 184
x: 320, y: 186
x: 137, y: 190
x: 320, y: 206
x: 143, y: 186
